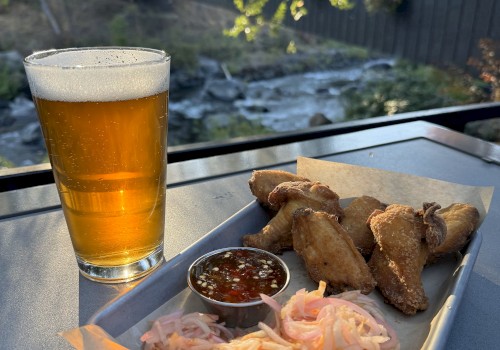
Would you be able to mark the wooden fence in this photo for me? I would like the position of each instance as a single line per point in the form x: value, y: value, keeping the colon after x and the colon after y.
x: 438, y: 32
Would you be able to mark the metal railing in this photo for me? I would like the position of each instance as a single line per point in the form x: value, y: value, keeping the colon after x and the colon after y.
x: 454, y: 118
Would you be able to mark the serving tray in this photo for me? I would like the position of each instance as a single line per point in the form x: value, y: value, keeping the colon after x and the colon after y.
x: 165, y: 290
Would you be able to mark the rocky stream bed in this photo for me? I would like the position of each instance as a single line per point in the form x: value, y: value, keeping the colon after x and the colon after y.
x: 275, y: 97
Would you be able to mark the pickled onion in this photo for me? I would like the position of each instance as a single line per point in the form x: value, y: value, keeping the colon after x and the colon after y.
x: 316, y: 322
x: 190, y: 331
x: 308, y: 321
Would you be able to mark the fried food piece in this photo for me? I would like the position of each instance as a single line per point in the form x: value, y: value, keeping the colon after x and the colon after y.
x: 434, y: 230
x: 461, y: 220
x: 391, y: 285
x: 329, y: 253
x: 404, y: 238
x: 276, y: 236
x: 355, y: 216
x: 263, y: 182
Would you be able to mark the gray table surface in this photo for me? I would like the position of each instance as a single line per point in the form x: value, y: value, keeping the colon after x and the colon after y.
x: 42, y: 293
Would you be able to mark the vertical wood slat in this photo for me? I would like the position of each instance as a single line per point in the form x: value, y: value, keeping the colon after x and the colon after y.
x: 360, y: 33
x: 401, y: 39
x: 439, y: 26
x: 425, y: 30
x: 370, y: 39
x: 494, y: 30
x: 465, y: 29
x: 439, y: 32
x: 485, y: 13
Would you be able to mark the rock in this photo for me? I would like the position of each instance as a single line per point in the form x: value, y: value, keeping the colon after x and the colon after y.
x: 349, y: 89
x: 379, y: 65
x: 22, y: 107
x: 217, y: 120
x: 12, y: 59
x: 31, y: 134
x: 225, y: 90
x: 488, y: 129
x: 257, y: 109
x: 319, y: 119
x: 252, y: 106
x: 340, y: 83
x: 210, y: 68
x: 322, y: 90
x: 183, y: 130
x: 6, y: 120
x: 27, y: 162
x: 181, y: 79
x: 4, y: 104
x: 186, y: 110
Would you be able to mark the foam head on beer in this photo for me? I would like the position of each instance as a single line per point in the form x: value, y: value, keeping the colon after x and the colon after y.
x: 97, y: 75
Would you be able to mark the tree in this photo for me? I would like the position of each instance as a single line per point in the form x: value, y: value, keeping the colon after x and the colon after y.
x: 489, y: 65
x: 251, y: 20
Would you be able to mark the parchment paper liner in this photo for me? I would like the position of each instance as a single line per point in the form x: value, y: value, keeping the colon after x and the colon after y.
x: 392, y: 187
x: 347, y: 181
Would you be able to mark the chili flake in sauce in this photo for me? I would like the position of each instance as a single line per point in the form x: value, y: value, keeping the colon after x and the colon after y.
x: 238, y: 276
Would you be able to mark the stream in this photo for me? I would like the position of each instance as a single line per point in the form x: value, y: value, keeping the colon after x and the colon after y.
x: 287, y: 103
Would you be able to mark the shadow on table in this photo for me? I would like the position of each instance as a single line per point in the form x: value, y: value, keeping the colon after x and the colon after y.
x: 93, y: 296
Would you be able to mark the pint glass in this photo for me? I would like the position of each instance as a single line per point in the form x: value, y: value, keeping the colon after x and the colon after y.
x: 103, y: 113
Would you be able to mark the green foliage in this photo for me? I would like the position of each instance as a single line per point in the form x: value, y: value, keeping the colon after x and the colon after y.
x: 407, y: 88
x: 382, y: 5
x: 237, y: 126
x: 5, y: 163
x: 216, y: 128
x: 251, y: 20
x: 11, y: 81
x: 489, y: 65
x: 221, y: 48
x: 118, y: 30
x: 124, y: 27
x: 136, y: 26
x: 342, y: 4
x: 184, y: 56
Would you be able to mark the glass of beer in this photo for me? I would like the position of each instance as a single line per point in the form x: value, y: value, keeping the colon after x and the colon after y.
x: 104, y: 114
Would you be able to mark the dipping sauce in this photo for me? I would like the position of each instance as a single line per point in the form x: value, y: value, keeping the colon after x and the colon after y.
x: 238, y: 275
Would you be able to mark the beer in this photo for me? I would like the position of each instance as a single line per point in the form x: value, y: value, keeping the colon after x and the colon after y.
x: 107, y: 159
x: 107, y: 146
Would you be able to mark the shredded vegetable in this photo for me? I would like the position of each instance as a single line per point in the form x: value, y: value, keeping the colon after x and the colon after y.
x: 308, y: 321
x: 190, y: 331
x: 331, y: 323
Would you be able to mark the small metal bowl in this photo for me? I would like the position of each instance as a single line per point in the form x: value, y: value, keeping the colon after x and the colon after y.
x: 235, y: 313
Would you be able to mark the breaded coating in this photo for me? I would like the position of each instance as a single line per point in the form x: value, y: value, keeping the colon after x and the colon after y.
x: 355, y: 219
x: 401, y: 251
x: 434, y: 226
x: 263, y: 182
x: 408, y: 299
x: 329, y: 253
x: 276, y: 236
x: 461, y: 220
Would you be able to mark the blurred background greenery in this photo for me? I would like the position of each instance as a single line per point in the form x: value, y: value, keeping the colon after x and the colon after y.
x: 247, y: 44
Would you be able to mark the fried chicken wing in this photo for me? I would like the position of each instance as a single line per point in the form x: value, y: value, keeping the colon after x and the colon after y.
x: 354, y: 221
x: 329, y: 253
x: 263, y: 182
x: 434, y: 229
x: 392, y: 286
x: 403, y: 239
x: 461, y: 220
x: 276, y: 236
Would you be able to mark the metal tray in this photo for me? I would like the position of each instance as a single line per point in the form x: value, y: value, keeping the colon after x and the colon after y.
x: 127, y: 317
